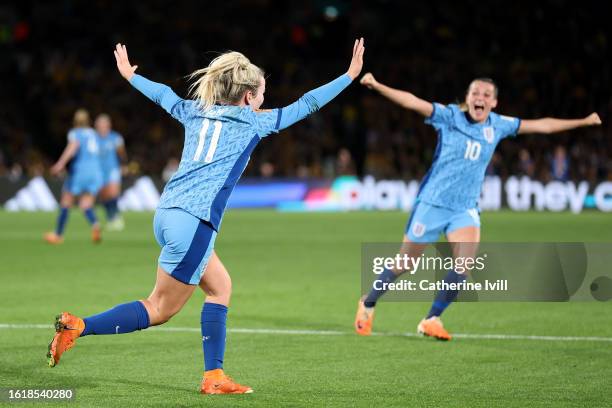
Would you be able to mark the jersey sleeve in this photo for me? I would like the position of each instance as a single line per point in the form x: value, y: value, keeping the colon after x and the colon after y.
x: 119, y: 141
x: 268, y: 121
x: 508, y: 126
x: 180, y: 109
x: 72, y: 136
x: 441, y: 115
x: 310, y: 102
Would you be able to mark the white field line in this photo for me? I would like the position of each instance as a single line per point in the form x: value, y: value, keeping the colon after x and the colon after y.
x: 8, y: 326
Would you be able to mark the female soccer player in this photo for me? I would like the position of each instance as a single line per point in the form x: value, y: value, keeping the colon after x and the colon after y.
x: 84, y: 176
x: 447, y: 199
x: 222, y: 127
x: 111, y: 149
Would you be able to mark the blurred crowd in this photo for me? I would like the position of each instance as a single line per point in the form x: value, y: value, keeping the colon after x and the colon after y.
x: 550, y: 58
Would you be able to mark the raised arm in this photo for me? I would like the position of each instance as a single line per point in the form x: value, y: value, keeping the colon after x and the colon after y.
x: 402, y: 98
x: 553, y: 125
x: 314, y: 100
x: 161, y: 94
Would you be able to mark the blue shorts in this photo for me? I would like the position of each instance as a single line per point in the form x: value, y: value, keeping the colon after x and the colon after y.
x: 80, y: 183
x: 111, y: 176
x: 186, y: 243
x: 427, y: 222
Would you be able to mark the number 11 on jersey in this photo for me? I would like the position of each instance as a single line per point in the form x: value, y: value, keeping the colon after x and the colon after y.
x: 213, y: 142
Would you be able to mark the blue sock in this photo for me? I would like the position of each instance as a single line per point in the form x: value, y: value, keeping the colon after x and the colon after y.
x: 62, y: 219
x: 213, y: 320
x: 386, y: 277
x: 446, y: 297
x: 91, y: 216
x: 112, y: 208
x: 124, y: 318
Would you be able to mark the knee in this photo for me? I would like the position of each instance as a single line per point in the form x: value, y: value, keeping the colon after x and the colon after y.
x: 158, y: 312
x: 85, y: 203
x: 66, y: 201
x: 221, y: 293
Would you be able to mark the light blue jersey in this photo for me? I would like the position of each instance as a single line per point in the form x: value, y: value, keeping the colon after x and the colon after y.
x: 463, y: 152
x: 87, y: 158
x: 85, y: 172
x: 219, y: 142
x: 109, y: 159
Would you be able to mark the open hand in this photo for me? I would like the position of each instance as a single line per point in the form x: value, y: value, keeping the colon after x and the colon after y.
x: 368, y: 80
x: 593, y: 119
x: 123, y: 63
x: 357, y: 60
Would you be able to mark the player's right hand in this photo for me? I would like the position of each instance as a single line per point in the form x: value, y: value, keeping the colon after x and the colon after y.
x: 368, y: 80
x: 123, y: 63
x: 593, y: 119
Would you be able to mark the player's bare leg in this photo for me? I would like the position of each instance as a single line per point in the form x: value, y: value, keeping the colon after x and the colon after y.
x: 464, y: 243
x: 167, y: 298
x: 364, y: 318
x: 217, y: 285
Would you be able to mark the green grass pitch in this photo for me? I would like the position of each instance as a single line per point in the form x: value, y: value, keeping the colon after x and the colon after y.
x: 295, y: 272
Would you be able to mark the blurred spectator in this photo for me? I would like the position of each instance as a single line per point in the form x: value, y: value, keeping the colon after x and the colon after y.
x: 493, y: 169
x: 526, y: 165
x: 344, y: 163
x: 560, y: 164
x: 15, y: 172
x: 266, y: 170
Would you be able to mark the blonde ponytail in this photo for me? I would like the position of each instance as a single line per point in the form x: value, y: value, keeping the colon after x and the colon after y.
x: 225, y: 80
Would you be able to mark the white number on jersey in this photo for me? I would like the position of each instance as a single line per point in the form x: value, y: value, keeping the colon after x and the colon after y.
x: 213, y: 143
x: 472, y: 151
x: 92, y: 145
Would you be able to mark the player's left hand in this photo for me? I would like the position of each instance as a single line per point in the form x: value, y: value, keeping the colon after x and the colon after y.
x: 593, y: 119
x: 357, y: 60
x: 123, y: 63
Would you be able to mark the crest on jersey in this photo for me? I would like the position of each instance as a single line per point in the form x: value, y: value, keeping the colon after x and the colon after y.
x: 418, y: 229
x: 489, y: 134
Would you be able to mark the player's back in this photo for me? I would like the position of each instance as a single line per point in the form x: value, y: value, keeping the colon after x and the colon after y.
x: 87, y: 157
x: 218, y: 144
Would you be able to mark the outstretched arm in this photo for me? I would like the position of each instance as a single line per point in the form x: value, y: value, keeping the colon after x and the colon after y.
x: 402, y: 98
x: 67, y: 154
x: 314, y: 100
x: 161, y: 94
x: 553, y: 125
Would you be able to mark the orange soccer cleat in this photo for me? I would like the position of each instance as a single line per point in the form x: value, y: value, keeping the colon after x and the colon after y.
x: 53, y: 239
x: 364, y: 319
x: 433, y: 327
x: 96, y: 234
x: 67, y: 328
x: 216, y: 382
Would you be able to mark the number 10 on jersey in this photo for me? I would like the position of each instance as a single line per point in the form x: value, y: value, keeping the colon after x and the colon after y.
x: 472, y: 150
x: 213, y: 142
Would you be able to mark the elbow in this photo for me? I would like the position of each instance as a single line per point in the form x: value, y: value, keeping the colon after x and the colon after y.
x: 163, y: 91
x: 312, y: 104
